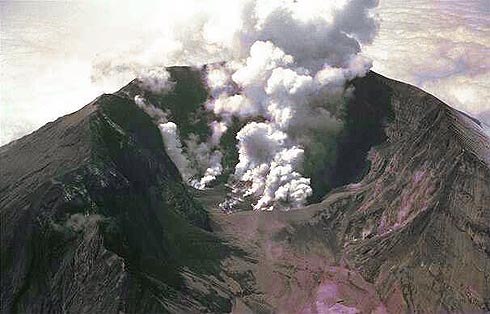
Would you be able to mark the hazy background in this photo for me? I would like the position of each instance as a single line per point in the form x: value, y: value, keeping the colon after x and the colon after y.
x: 51, y: 52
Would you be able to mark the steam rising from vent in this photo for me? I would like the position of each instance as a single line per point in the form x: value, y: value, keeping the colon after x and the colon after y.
x: 294, y: 61
x: 271, y: 165
x: 217, y: 131
x: 173, y: 147
x: 215, y: 169
x: 157, y: 114
x: 286, y: 64
x: 197, y: 158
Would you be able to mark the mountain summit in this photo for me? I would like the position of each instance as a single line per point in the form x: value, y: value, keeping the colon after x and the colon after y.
x: 97, y: 218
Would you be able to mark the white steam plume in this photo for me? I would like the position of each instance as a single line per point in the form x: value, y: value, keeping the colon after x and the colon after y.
x: 204, y: 156
x: 173, y: 147
x: 152, y: 78
x: 157, y: 114
x: 217, y: 131
x: 199, y: 159
x: 284, y: 63
x: 170, y: 136
x: 271, y: 165
x: 214, y: 169
x: 289, y: 68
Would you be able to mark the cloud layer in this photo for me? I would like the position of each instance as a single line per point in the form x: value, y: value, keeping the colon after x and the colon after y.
x: 52, y: 51
x: 440, y: 46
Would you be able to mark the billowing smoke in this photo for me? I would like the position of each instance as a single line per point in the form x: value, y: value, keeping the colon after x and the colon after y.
x: 206, y: 156
x: 212, y: 171
x: 271, y: 165
x: 168, y: 129
x: 294, y: 61
x: 282, y: 71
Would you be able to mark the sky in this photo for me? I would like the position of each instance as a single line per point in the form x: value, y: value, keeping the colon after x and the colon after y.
x: 55, y: 57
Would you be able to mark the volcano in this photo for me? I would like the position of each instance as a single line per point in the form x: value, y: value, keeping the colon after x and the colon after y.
x: 96, y: 217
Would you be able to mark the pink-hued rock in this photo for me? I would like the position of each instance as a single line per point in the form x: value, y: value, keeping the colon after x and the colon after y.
x: 355, y: 186
x: 419, y: 175
x: 273, y: 250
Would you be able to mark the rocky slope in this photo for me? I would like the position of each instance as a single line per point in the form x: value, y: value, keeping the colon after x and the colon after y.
x: 95, y: 216
x: 411, y: 237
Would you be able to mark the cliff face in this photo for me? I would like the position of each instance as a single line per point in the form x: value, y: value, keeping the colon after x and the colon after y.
x: 418, y: 224
x: 96, y: 218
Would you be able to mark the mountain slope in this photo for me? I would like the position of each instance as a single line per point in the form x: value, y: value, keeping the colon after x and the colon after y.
x: 422, y: 226
x: 411, y: 236
x: 96, y: 218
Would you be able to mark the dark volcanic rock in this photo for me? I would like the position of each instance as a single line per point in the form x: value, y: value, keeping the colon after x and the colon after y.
x: 95, y: 216
x: 418, y: 224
